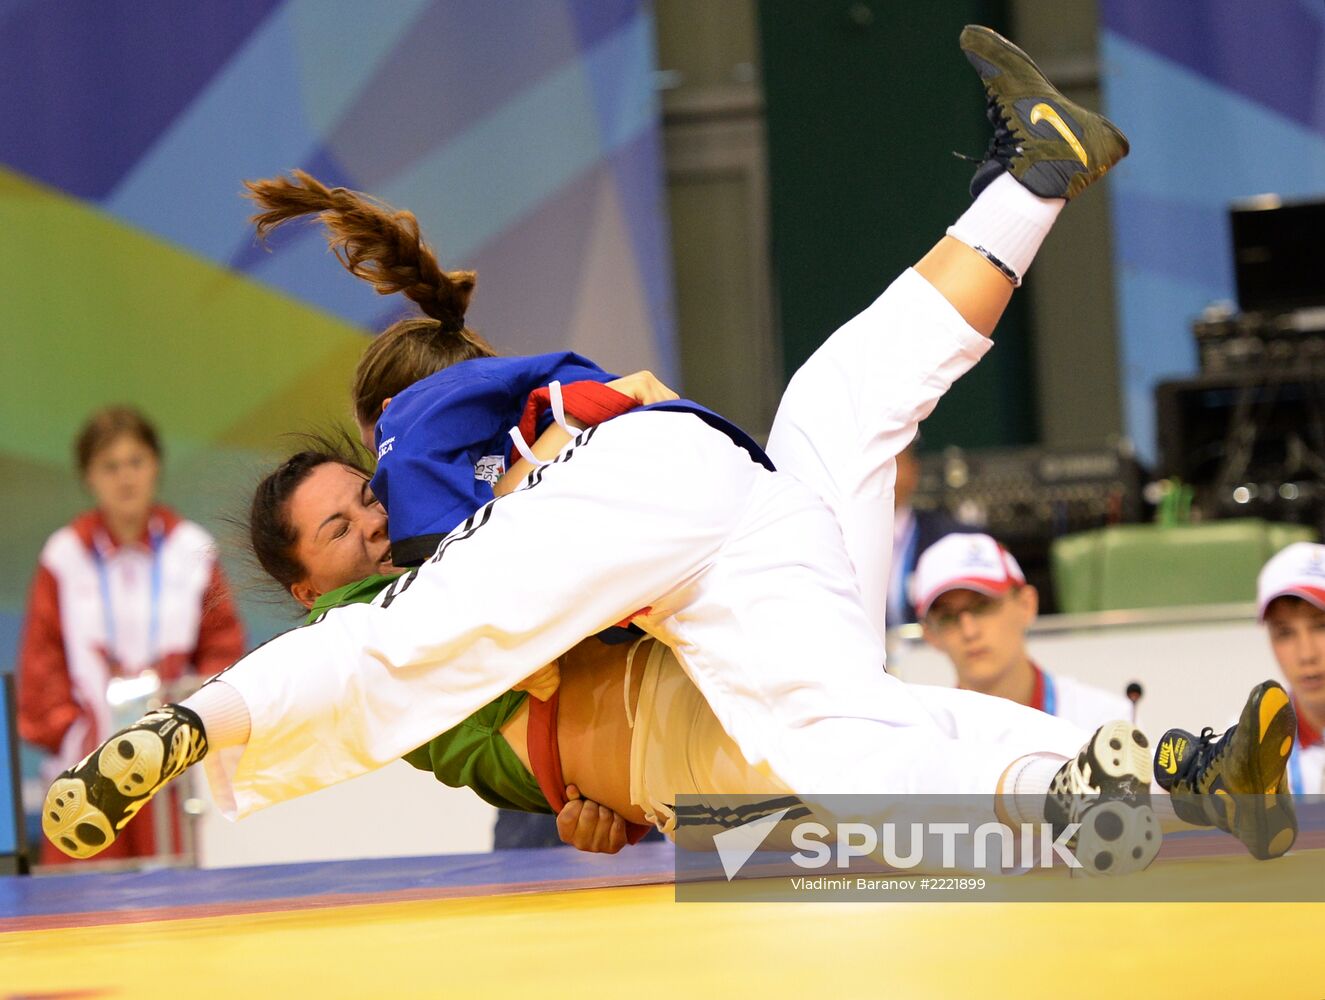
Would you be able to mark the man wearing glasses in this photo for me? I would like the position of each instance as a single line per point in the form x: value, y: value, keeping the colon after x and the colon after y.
x: 1291, y: 600
x: 975, y: 607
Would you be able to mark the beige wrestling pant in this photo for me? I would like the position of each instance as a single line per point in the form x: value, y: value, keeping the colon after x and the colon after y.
x: 677, y: 746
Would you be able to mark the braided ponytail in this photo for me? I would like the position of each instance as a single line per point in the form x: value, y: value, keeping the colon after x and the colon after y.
x: 382, y: 246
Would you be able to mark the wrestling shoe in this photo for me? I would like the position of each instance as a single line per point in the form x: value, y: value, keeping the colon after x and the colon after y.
x: 1238, y: 781
x: 1055, y: 148
x: 1106, y: 788
x: 89, y: 804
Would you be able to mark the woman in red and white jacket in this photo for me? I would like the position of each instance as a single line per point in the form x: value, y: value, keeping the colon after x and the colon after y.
x: 125, y: 588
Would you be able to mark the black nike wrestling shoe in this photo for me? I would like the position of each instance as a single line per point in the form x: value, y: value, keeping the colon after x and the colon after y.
x: 88, y: 805
x: 1053, y: 147
x: 1237, y: 782
x: 1106, y: 789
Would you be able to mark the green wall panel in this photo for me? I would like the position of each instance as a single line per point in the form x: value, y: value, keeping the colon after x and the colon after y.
x: 866, y: 102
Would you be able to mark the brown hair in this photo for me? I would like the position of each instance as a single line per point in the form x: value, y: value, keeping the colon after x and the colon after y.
x: 105, y: 426
x: 271, y: 535
x: 375, y: 242
x: 1289, y: 601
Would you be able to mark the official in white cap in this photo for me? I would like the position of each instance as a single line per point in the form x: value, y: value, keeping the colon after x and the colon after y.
x: 975, y: 607
x: 1290, y: 593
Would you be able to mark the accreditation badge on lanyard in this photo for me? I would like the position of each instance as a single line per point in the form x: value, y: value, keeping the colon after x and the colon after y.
x: 1295, y: 783
x: 129, y: 698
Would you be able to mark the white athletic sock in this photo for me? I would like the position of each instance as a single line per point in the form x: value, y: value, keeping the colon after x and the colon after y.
x: 223, y: 712
x: 1028, y: 779
x: 1007, y: 224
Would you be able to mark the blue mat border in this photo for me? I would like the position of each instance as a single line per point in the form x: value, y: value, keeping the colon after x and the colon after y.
x: 527, y: 870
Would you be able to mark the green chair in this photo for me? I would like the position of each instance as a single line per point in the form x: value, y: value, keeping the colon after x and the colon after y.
x: 1149, y: 566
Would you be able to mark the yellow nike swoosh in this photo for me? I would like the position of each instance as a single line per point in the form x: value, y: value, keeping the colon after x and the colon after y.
x: 1168, y: 760
x: 1043, y: 112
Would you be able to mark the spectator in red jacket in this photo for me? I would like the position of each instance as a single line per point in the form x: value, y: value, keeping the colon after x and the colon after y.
x: 127, y: 592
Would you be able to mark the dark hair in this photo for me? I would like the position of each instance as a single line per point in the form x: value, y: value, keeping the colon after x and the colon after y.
x: 383, y: 246
x: 1290, y: 601
x: 105, y: 426
x: 271, y: 535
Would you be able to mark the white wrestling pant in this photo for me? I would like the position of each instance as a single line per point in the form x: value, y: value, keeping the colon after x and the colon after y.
x: 857, y: 402
x: 678, y: 747
x: 744, y: 572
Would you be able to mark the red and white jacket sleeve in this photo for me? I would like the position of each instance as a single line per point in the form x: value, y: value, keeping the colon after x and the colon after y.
x: 46, y: 703
x: 220, y: 632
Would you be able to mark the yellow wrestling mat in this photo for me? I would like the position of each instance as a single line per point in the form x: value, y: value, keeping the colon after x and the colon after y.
x: 637, y: 941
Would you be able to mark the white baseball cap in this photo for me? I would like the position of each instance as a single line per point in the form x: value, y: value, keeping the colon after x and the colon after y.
x: 963, y: 562
x: 1296, y: 571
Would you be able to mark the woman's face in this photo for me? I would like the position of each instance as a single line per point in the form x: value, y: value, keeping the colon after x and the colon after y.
x: 340, y: 531
x: 122, y: 478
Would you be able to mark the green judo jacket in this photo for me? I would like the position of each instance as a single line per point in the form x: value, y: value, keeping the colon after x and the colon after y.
x: 474, y: 754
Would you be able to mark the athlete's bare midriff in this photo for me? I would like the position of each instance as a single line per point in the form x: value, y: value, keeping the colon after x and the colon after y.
x: 592, y: 730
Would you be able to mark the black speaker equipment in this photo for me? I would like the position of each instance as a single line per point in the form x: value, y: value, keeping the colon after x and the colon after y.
x: 1027, y: 497
x: 1235, y: 342
x: 1278, y: 254
x: 1251, y: 443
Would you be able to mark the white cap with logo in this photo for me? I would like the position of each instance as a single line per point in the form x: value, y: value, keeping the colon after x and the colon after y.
x: 1296, y: 571
x: 963, y: 562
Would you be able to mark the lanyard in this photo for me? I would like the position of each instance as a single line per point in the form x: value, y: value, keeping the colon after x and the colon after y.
x: 155, y: 538
x: 1050, y: 695
x: 906, y: 563
x: 1045, y: 696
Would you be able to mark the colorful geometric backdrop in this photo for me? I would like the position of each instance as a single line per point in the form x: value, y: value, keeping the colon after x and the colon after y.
x: 525, y: 136
x: 1222, y: 99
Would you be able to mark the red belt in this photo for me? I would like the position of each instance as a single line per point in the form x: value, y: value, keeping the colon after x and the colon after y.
x: 545, y: 759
